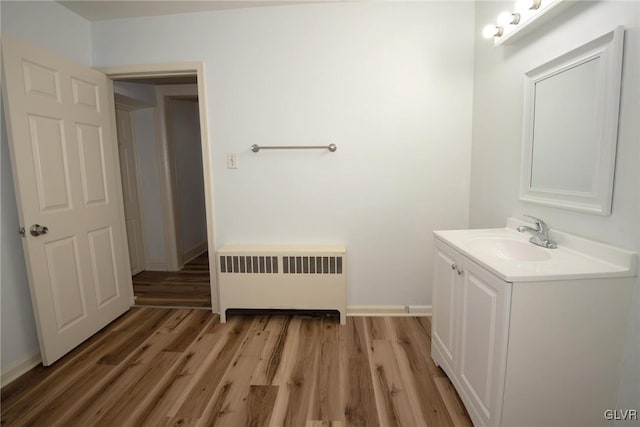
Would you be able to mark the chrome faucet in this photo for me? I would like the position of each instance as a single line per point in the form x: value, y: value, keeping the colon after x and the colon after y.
x: 540, y: 234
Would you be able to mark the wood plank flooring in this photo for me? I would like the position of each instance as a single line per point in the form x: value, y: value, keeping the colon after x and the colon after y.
x: 182, y: 367
x: 188, y: 287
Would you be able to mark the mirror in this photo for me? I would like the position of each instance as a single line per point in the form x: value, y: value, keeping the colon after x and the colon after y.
x: 571, y: 125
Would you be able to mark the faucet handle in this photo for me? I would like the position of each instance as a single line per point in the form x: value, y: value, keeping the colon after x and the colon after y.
x: 540, y: 224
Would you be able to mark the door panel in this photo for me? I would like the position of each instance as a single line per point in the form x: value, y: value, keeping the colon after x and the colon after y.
x: 92, y: 168
x: 50, y: 162
x: 444, y: 301
x: 484, y: 301
x: 104, y: 265
x: 478, y: 336
x: 41, y: 80
x: 66, y: 173
x: 85, y: 94
x: 66, y: 282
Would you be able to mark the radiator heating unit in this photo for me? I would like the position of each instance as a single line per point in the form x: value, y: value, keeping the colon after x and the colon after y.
x: 310, y: 277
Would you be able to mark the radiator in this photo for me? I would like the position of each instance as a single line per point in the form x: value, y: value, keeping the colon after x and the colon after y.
x: 282, y: 277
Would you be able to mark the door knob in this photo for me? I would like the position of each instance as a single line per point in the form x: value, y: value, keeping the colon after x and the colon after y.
x: 460, y: 271
x: 37, y: 230
x: 453, y: 266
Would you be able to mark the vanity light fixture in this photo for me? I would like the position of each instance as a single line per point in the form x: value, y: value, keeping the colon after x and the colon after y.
x: 508, y: 18
x: 491, y: 31
x: 525, y: 16
x: 524, y: 5
x: 505, y: 19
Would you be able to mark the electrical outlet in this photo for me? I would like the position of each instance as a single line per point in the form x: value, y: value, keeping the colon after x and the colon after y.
x: 232, y: 161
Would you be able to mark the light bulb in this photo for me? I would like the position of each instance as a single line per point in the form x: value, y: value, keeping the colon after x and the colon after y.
x: 524, y: 5
x: 508, y: 18
x: 491, y: 31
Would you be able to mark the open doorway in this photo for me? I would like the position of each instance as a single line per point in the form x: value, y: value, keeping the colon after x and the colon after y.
x: 161, y: 161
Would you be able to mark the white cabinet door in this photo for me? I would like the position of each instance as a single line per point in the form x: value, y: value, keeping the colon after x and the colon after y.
x: 484, y: 305
x: 65, y: 167
x: 443, y: 332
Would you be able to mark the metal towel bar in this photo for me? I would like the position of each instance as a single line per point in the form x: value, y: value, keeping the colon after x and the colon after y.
x: 331, y: 147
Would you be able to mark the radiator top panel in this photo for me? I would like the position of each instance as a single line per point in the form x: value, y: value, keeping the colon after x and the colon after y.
x: 282, y: 250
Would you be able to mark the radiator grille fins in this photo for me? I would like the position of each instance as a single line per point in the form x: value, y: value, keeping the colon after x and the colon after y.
x: 248, y: 264
x: 290, y: 264
x: 311, y: 265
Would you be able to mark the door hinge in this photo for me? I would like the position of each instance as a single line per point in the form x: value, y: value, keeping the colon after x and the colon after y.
x: 21, y: 231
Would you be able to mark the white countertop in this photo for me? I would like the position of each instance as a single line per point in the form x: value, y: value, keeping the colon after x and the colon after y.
x: 575, y: 257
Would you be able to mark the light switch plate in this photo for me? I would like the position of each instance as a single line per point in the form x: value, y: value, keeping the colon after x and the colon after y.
x: 232, y: 161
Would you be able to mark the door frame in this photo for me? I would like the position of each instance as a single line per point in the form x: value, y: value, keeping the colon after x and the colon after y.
x: 176, y: 69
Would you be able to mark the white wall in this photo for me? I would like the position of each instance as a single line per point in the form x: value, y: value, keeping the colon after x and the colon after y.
x: 389, y: 83
x: 140, y: 94
x: 55, y: 28
x: 497, y: 132
x: 497, y: 120
x: 18, y: 331
x: 185, y: 135
x: 50, y: 26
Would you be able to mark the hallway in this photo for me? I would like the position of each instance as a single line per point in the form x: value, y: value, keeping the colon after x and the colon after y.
x: 188, y: 287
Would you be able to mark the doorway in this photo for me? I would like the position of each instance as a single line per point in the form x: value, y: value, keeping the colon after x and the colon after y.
x: 168, y: 227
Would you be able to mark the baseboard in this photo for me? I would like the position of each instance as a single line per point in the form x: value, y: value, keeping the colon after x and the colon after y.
x: 156, y: 266
x: 388, y: 310
x: 194, y: 252
x: 18, y: 368
x: 420, y: 310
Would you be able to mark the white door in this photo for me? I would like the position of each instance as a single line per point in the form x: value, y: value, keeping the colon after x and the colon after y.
x: 444, y: 306
x: 127, y: 155
x: 484, y: 305
x: 64, y: 156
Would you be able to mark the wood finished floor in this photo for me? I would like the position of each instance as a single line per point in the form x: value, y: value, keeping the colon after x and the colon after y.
x: 188, y: 287
x: 182, y: 367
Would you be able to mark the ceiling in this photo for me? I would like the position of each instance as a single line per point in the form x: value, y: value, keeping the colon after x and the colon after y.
x: 102, y: 10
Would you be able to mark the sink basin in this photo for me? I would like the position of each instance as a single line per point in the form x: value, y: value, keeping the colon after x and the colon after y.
x: 510, y: 256
x: 508, y: 249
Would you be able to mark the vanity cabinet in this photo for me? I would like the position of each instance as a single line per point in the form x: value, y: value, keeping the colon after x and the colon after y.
x: 528, y: 352
x: 469, y: 330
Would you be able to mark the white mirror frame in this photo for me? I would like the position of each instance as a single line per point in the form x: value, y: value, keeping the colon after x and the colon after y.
x: 609, y: 49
